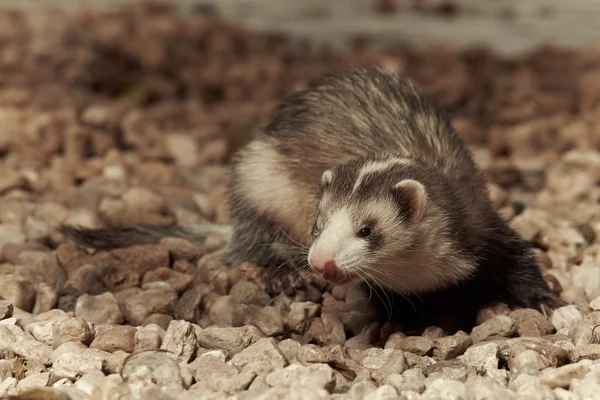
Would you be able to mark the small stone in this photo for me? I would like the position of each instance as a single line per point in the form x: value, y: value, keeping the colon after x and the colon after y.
x: 452, y: 369
x: 139, y: 306
x: 585, y: 352
x: 162, y: 320
x: 29, y: 348
x: 189, y: 305
x: 450, y: 347
x: 128, y: 265
x: 226, y: 311
x: 492, y: 311
x: 529, y: 359
x: 231, y: 340
x: 115, y: 338
x: 433, y: 332
x: 178, y: 281
x: 264, y: 349
x: 561, y: 377
x: 419, y: 345
x: 411, y: 380
x: 85, y: 279
x: 157, y: 367
x: 301, y: 314
x: 384, y: 392
x: 594, y: 304
x: 361, y: 389
x: 146, y: 339
x: 528, y: 386
x: 327, y: 330
x: 566, y: 317
x: 67, y: 347
x: 530, y: 322
x: 483, y: 357
x: 445, y: 389
x: 214, y: 374
x: 18, y: 291
x: 8, y: 387
x: 181, y: 249
x: 6, y: 309
x: 485, y: 387
x: 554, y: 354
x: 74, y: 365
x: 33, y: 381
x: 116, y: 361
x: 246, y: 292
x: 101, y: 309
x: 72, y: 329
x: 267, y: 319
x: 289, y: 348
x: 497, y: 326
x: 313, y: 376
x: 180, y: 341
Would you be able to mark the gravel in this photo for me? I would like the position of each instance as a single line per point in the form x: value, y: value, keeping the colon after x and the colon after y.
x: 131, y: 117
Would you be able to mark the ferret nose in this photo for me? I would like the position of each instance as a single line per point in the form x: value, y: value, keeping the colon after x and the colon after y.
x: 329, y: 269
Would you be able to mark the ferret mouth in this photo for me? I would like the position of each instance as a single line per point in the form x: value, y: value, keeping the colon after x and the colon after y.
x: 338, y: 277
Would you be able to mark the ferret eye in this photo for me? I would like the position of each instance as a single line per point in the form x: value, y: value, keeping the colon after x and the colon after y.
x: 364, y: 232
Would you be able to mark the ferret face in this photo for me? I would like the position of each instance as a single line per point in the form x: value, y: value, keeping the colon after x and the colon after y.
x: 363, y: 227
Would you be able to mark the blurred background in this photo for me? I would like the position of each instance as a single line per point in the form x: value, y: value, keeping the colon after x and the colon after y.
x: 183, y: 84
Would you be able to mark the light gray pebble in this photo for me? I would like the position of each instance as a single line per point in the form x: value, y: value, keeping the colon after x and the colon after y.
x: 585, y: 352
x: 312, y: 376
x: 6, y: 309
x: 385, y: 392
x: 446, y: 389
x: 562, y: 376
x: 115, y: 361
x: 413, y: 382
x: 72, y: 329
x: 33, y: 381
x: 8, y: 387
x: 158, y: 367
x: 486, y: 388
x: 115, y: 338
x: 74, y: 365
x: 263, y: 349
x: 214, y: 374
x: 528, y: 359
x: 483, y: 357
x: 500, y: 325
x: 100, y: 309
x: 180, y: 340
x: 450, y: 347
x: 267, y: 319
x: 529, y: 386
x: 232, y: 340
x: 67, y: 347
x: 299, y: 312
x: 29, y: 348
x: 418, y: 345
x: 146, y: 339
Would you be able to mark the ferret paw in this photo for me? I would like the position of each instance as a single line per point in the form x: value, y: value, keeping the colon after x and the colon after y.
x: 566, y: 317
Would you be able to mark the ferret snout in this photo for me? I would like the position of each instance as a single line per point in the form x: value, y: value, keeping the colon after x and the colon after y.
x: 328, y: 268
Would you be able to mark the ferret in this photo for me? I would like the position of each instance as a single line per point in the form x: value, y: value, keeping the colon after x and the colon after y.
x: 361, y: 179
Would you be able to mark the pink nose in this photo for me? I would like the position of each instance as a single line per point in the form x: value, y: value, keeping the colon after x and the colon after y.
x: 328, y: 269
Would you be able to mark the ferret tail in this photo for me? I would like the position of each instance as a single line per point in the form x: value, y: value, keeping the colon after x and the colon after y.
x: 126, y: 236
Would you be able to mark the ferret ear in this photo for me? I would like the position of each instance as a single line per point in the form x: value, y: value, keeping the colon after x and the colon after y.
x: 412, y: 194
x: 326, y: 177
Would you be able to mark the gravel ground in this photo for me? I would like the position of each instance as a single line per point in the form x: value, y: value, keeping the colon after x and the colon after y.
x: 130, y: 117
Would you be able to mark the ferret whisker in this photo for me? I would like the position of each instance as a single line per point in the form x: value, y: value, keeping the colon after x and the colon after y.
x: 394, y: 290
x: 366, y: 277
x: 293, y: 240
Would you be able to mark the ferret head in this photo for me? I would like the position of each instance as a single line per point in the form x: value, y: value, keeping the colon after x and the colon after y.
x: 378, y: 221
